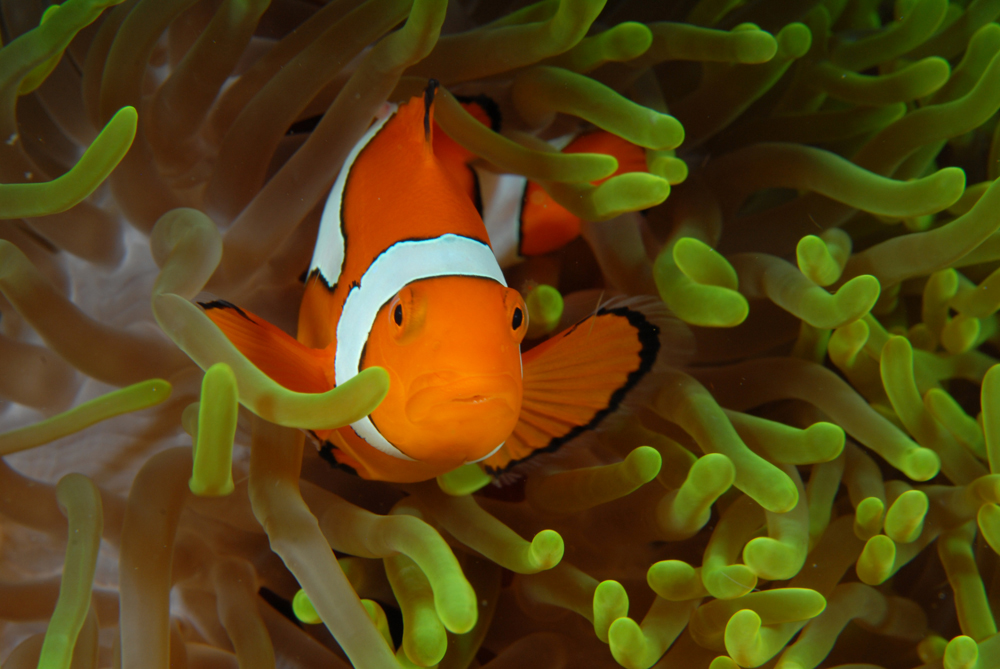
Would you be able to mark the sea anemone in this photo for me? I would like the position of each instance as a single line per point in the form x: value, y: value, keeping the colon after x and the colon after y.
x: 811, y: 488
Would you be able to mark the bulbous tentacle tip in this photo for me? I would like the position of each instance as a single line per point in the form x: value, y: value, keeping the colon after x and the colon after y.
x: 816, y: 261
x: 713, y: 471
x: 794, y: 40
x: 868, y: 518
x: 876, y: 562
x: 675, y: 580
x: 377, y: 616
x: 703, y: 264
x: 212, y: 473
x: 784, y: 496
x: 742, y: 637
x: 610, y: 605
x: 723, y: 662
x: 755, y: 46
x: 825, y: 441
x: 962, y: 652
x: 304, y: 610
x: 699, y: 285
x: 905, y: 519
x: 988, y: 520
x: 852, y: 301
x: 730, y: 582
x: 921, y: 464
x: 772, y: 559
x: 643, y: 464
x: 545, y: 308
x: 666, y: 166
x: 961, y: 334
x: 465, y: 480
x: 931, y: 648
x: 628, y: 644
x: 546, y: 550
x: 460, y: 617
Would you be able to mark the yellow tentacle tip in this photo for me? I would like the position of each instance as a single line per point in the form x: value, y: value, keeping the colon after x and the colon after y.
x: 988, y: 519
x: 212, y: 472
x: 699, y: 285
x: 610, y: 604
x: 875, y: 564
x: 868, y: 518
x: 545, y: 308
x: 304, y: 610
x: 377, y: 615
x: 546, y: 550
x: 723, y: 662
x: 962, y: 652
x: 464, y: 480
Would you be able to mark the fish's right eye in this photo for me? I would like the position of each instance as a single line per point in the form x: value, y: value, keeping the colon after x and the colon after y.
x: 397, y: 314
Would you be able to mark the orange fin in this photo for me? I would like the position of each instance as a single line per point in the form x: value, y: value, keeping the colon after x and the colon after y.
x: 579, y: 377
x: 272, y: 350
x: 455, y: 158
x: 630, y: 157
x: 545, y: 224
x: 330, y: 445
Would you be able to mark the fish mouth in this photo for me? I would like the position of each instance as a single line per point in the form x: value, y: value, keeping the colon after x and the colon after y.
x: 447, y: 396
x: 475, y: 399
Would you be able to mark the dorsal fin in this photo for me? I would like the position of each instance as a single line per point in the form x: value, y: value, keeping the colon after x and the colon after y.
x: 391, y: 188
x: 484, y: 108
x: 429, y: 92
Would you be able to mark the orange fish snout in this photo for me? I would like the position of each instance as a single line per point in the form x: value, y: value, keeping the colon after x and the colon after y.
x: 451, y: 347
x: 463, y: 416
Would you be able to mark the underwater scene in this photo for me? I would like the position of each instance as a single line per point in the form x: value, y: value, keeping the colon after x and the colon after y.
x: 742, y: 256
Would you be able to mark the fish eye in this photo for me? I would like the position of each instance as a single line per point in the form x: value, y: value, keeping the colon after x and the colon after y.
x: 397, y: 314
x: 518, y: 318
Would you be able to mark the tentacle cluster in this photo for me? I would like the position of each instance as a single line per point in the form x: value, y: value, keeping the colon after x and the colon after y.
x: 817, y: 484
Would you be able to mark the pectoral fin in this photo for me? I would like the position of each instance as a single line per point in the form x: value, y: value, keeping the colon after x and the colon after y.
x: 576, y: 379
x: 272, y: 350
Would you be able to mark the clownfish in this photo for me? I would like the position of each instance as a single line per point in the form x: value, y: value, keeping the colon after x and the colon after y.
x: 521, y: 218
x: 403, y: 276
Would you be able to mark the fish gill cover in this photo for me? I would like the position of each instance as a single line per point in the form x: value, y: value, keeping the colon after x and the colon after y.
x: 814, y: 487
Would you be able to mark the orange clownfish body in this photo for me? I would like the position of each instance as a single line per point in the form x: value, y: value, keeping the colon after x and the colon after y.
x: 403, y: 277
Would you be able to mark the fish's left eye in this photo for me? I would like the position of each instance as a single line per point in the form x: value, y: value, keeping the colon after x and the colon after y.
x: 397, y: 314
x: 518, y: 319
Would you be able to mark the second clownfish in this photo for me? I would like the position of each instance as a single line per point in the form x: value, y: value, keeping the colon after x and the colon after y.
x: 404, y: 277
x: 521, y: 218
